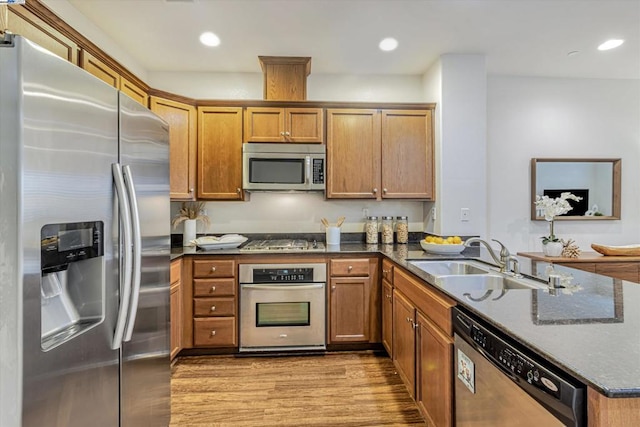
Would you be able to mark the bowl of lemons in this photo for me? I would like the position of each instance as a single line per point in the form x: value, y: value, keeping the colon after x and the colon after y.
x: 443, y: 245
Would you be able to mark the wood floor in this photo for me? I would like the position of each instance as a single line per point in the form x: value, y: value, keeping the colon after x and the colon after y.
x: 337, y: 389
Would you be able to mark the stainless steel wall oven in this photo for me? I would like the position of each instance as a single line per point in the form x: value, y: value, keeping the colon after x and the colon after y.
x: 282, y: 307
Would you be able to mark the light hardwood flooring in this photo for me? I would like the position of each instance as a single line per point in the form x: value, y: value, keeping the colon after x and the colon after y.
x: 337, y: 389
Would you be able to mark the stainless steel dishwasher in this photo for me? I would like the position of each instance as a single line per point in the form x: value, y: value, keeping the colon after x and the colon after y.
x: 499, y: 384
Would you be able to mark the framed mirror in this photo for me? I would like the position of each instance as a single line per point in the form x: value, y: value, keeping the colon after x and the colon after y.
x: 597, y: 181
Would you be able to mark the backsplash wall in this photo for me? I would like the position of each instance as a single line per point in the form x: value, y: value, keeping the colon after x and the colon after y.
x: 299, y: 213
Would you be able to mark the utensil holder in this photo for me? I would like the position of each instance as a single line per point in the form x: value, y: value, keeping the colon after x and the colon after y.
x: 333, y: 235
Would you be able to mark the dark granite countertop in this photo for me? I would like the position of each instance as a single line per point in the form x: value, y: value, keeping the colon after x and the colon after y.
x: 590, y: 329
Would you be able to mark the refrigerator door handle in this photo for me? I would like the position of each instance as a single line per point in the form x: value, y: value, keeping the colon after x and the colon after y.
x: 137, y: 251
x: 127, y: 268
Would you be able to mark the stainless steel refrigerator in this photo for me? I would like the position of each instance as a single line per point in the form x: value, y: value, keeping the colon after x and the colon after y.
x: 84, y: 249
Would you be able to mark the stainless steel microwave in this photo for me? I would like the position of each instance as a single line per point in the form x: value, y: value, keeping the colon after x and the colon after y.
x: 283, y: 167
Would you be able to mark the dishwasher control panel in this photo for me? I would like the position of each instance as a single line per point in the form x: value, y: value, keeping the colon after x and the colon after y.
x: 510, y: 359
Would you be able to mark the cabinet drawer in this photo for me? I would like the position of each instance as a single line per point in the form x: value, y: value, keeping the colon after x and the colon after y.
x: 174, y: 272
x: 224, y: 306
x: 215, y: 332
x: 211, y: 268
x: 214, y: 287
x: 387, y: 271
x: 349, y: 267
x: 435, y: 305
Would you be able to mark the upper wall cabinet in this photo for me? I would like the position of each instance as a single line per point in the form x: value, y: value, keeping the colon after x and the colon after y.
x: 25, y: 23
x: 376, y: 154
x: 298, y: 125
x: 182, y: 145
x: 219, y: 174
x: 596, y: 181
x: 109, y: 75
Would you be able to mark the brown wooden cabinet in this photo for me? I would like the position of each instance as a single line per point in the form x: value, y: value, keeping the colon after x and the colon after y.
x: 182, y: 145
x: 407, y: 154
x: 23, y: 22
x: 219, y: 160
x: 112, y: 77
x: 387, y: 306
x: 375, y: 154
x: 270, y: 124
x: 423, y: 345
x: 354, y: 312
x: 353, y: 154
x: 215, y: 302
x: 176, y: 307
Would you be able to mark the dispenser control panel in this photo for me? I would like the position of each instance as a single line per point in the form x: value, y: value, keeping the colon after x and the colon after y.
x: 61, y: 244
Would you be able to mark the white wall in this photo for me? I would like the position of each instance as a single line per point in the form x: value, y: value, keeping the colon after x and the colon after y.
x: 550, y: 117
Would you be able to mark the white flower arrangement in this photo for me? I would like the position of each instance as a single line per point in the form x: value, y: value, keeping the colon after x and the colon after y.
x: 552, y: 208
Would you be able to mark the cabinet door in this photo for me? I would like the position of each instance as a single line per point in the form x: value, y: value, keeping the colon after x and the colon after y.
x: 350, y: 309
x: 407, y: 154
x: 176, y: 308
x: 263, y: 124
x: 100, y: 69
x: 387, y: 317
x: 219, y: 172
x: 21, y: 21
x: 404, y: 340
x: 182, y: 145
x: 134, y: 91
x: 353, y: 154
x: 304, y: 125
x: 434, y: 373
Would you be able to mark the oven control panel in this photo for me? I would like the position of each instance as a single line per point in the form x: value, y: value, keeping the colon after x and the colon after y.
x: 289, y: 275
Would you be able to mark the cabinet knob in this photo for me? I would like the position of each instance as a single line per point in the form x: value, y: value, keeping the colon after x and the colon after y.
x: 287, y: 134
x: 213, y: 269
x: 281, y: 133
x: 350, y: 268
x: 213, y: 289
x: 333, y: 287
x: 414, y: 325
x: 408, y: 320
x: 191, y: 190
x: 238, y: 190
x: 213, y: 333
x: 384, y: 190
x: 375, y: 190
x: 213, y: 308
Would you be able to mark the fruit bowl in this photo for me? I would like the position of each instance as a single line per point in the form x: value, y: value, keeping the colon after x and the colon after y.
x: 438, y: 248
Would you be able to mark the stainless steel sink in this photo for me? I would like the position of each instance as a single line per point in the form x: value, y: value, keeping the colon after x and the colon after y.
x: 449, y: 268
x: 487, y: 282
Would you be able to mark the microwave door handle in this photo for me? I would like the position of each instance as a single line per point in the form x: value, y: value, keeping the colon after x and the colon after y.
x: 307, y: 162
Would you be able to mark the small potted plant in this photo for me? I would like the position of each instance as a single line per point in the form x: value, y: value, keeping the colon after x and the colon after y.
x: 551, y: 244
x: 189, y: 214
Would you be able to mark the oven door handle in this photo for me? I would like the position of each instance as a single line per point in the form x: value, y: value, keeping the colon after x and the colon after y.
x: 288, y: 286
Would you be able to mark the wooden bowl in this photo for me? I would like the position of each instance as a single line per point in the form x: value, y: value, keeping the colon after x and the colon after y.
x: 628, y: 250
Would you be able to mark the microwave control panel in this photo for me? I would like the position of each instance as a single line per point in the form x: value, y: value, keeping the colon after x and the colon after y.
x: 318, y: 171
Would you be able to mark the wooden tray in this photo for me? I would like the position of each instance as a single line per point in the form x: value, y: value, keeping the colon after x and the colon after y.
x: 628, y: 250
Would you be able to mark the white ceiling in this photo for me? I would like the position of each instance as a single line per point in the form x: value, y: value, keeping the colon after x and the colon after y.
x: 520, y: 37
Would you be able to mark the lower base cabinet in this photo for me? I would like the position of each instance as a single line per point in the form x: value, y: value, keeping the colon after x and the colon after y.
x: 423, y: 346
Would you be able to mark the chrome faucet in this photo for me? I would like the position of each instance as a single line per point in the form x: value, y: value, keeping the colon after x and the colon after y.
x: 504, y: 261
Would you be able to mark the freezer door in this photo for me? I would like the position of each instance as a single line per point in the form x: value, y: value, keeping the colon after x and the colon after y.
x: 59, y: 139
x: 145, y: 371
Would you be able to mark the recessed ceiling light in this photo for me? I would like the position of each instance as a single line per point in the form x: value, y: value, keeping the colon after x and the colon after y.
x: 209, y: 39
x: 610, y: 44
x: 388, y: 44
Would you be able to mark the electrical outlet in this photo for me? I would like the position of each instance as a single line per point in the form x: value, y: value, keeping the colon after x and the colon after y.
x: 465, y: 214
x: 433, y: 214
x: 365, y: 212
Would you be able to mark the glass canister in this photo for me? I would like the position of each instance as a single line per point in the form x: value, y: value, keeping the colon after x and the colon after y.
x: 386, y: 230
x: 402, y: 229
x: 371, y: 230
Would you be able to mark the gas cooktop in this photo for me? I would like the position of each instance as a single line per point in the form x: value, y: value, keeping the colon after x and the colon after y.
x: 282, y: 245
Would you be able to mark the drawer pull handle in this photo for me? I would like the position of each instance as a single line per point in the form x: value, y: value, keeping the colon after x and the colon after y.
x: 213, y: 308
x: 213, y: 289
x: 213, y: 333
x: 213, y: 269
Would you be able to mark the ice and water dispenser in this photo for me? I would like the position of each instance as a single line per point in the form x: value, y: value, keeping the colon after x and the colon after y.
x: 72, y: 289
